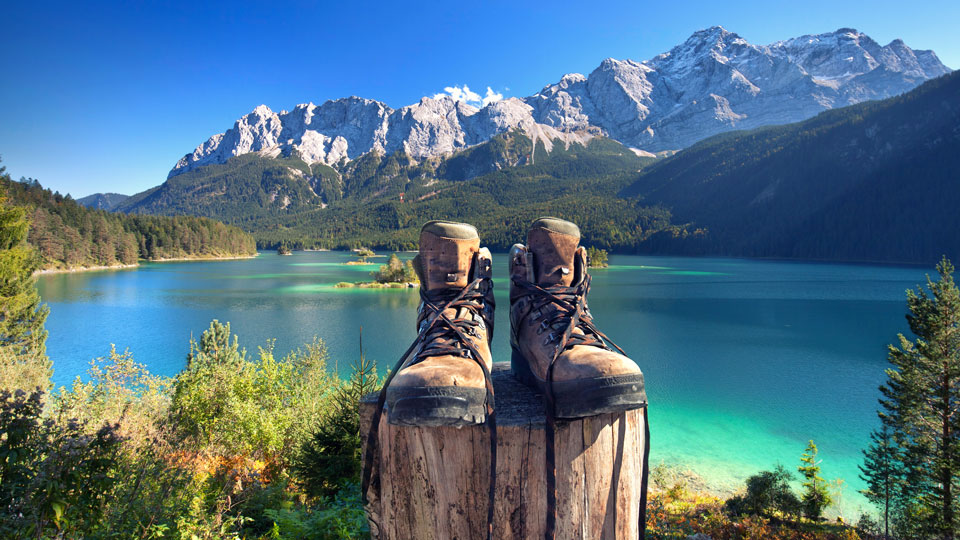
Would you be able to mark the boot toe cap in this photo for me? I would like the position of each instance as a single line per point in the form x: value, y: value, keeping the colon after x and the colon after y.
x: 586, y: 362
x: 440, y: 371
x: 439, y: 391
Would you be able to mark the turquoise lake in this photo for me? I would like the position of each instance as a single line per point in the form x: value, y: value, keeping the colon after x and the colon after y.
x: 745, y: 360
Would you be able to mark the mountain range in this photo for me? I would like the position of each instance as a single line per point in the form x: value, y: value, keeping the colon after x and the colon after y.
x: 601, y: 150
x: 715, y: 81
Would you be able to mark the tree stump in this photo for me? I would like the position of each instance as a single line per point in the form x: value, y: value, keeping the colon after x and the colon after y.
x: 434, y: 480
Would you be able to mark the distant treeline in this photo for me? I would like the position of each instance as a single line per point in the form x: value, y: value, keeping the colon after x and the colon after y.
x: 68, y: 235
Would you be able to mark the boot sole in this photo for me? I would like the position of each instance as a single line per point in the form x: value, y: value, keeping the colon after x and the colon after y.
x: 436, y: 406
x: 585, y: 397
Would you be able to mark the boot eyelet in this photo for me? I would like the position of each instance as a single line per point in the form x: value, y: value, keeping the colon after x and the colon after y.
x: 549, y: 339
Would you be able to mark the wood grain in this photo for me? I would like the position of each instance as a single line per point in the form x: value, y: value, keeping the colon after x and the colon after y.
x: 433, y: 480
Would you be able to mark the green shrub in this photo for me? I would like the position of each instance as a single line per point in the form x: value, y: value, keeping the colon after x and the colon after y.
x: 53, y: 475
x: 339, y: 518
x: 363, y: 253
x: 768, y: 493
x: 260, y: 408
x: 816, y: 496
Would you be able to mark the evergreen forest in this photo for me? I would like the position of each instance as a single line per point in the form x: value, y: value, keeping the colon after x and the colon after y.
x: 67, y: 235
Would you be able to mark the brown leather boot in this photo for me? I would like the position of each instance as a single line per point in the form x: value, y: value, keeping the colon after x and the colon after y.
x: 556, y: 347
x: 444, y: 378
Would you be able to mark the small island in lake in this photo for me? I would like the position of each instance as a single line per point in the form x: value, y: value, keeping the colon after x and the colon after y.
x: 362, y: 254
x: 393, y: 275
x: 597, y: 258
x: 284, y: 250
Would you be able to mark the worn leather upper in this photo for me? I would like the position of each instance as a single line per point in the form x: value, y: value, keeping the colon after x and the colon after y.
x: 553, y: 257
x: 446, y: 264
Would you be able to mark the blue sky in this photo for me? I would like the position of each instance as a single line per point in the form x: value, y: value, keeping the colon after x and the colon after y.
x: 107, y: 96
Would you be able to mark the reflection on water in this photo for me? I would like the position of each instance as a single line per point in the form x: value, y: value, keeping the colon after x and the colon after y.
x: 744, y: 360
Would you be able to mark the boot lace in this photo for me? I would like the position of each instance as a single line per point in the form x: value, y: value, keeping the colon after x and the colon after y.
x: 561, y: 310
x: 452, y: 337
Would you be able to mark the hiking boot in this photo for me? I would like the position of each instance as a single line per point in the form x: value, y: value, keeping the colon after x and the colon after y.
x: 557, y: 350
x: 444, y: 378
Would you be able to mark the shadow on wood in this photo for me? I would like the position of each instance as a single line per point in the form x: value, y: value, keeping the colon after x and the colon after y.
x: 433, y: 480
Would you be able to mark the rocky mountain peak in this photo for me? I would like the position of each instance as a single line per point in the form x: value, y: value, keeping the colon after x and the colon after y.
x: 712, y: 42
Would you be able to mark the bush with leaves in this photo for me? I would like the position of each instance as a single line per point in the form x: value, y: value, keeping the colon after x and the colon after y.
x: 261, y: 408
x: 676, y: 512
x: 118, y: 390
x: 338, y: 518
x: 768, y: 493
x: 54, y: 475
x: 362, y: 254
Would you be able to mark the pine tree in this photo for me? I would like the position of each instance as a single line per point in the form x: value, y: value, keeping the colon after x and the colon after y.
x: 22, y: 335
x: 880, y: 472
x: 816, y: 496
x: 919, y: 408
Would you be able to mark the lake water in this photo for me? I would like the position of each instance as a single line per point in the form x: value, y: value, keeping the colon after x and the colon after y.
x: 745, y: 360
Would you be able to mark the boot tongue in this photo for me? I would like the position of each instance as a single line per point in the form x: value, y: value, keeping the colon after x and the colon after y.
x: 554, y: 244
x: 446, y: 253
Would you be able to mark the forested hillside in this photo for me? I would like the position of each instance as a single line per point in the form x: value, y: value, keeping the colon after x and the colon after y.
x: 874, y: 181
x: 579, y: 183
x: 381, y: 201
x: 68, y: 235
x: 103, y: 201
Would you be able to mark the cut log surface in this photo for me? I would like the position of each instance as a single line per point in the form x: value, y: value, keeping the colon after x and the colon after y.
x: 433, y: 481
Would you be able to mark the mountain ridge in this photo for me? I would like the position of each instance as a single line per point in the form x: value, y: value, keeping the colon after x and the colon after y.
x: 876, y: 181
x: 715, y: 81
x: 103, y: 201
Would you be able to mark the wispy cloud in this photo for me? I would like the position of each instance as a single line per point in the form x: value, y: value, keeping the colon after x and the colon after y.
x: 463, y: 93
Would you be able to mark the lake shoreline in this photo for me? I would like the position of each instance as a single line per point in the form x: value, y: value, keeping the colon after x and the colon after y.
x: 100, y: 268
x: 377, y: 285
x: 189, y: 259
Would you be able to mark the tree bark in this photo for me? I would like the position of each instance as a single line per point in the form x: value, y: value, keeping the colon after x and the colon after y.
x: 433, y: 481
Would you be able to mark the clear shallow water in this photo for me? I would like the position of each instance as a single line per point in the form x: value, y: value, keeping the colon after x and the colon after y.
x: 744, y: 360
